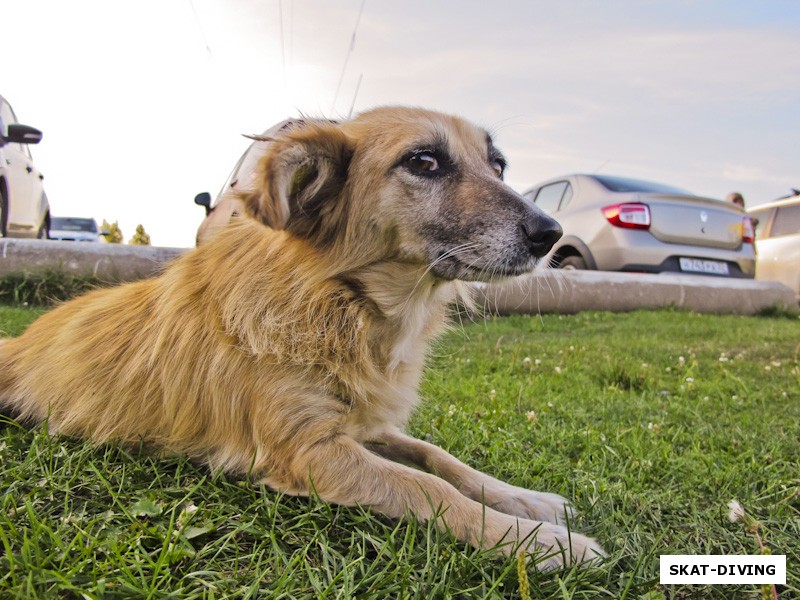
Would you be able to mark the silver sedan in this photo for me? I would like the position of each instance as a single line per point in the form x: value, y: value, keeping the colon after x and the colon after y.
x: 620, y: 224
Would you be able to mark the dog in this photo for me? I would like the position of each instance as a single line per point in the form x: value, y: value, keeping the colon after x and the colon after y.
x: 291, y: 345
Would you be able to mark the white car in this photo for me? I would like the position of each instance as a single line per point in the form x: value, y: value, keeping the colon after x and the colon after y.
x: 226, y: 205
x: 24, y: 209
x: 778, y: 240
x: 75, y: 229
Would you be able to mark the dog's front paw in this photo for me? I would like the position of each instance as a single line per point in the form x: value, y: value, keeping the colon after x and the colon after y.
x: 538, y: 506
x: 554, y: 547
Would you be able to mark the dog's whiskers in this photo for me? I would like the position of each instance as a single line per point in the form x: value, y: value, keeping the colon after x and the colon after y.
x: 454, y: 251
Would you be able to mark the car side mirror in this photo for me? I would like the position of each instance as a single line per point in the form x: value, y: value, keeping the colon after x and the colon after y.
x: 104, y: 232
x: 203, y: 199
x: 22, y: 134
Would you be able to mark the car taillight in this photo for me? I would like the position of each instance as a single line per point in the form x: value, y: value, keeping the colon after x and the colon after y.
x: 748, y: 231
x: 629, y: 216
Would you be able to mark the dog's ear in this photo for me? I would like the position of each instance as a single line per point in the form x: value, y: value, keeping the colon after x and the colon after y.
x: 299, y: 181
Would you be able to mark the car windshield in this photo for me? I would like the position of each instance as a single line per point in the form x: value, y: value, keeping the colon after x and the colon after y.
x: 623, y: 184
x: 73, y: 224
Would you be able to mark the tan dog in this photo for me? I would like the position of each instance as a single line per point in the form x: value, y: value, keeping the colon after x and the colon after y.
x: 292, y: 344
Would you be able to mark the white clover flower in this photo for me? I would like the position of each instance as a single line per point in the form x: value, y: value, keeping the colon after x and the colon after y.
x: 186, y: 516
x: 532, y: 417
x: 537, y: 362
x: 492, y: 394
x: 681, y: 361
x: 451, y: 410
x: 526, y: 361
x: 558, y: 370
x: 736, y: 511
x: 690, y: 380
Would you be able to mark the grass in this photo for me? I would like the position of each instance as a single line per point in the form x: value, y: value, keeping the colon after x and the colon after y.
x: 45, y: 287
x: 650, y: 421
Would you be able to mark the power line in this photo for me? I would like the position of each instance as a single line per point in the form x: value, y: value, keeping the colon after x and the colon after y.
x: 200, y: 27
x: 347, y: 57
x: 355, y: 95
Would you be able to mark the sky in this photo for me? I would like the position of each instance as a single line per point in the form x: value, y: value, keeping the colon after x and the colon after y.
x: 143, y: 104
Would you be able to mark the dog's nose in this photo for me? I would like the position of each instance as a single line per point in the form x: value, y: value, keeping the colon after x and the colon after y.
x: 541, y: 232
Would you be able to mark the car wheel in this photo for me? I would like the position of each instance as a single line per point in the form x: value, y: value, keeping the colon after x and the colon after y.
x: 573, y: 263
x: 44, y: 231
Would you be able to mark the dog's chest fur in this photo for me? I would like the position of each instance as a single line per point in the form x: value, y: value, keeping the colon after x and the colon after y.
x: 411, y: 317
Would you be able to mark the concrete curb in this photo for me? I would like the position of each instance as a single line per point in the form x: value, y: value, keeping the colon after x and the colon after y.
x: 545, y: 291
x: 566, y: 292
x: 109, y: 262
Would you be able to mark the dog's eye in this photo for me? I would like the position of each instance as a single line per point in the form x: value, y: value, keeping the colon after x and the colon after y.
x: 424, y: 163
x: 499, y: 167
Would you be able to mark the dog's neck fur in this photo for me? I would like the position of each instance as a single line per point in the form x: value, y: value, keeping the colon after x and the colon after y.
x: 412, y: 308
x: 379, y: 316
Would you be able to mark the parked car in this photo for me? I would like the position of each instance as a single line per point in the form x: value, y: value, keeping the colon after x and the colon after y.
x: 226, y: 205
x: 620, y: 224
x: 24, y: 209
x: 74, y: 229
x: 778, y: 240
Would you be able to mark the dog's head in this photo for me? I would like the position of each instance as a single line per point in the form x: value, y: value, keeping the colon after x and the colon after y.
x: 405, y: 184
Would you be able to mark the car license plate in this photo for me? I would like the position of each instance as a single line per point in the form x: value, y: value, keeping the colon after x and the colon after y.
x: 699, y: 265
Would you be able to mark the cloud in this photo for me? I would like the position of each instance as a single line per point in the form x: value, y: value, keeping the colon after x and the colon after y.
x: 751, y: 174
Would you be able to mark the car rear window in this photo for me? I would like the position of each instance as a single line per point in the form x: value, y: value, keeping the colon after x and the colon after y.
x: 623, y: 184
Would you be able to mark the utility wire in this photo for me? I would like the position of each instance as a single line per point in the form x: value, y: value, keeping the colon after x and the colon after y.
x: 358, y: 87
x: 347, y: 57
x: 200, y: 27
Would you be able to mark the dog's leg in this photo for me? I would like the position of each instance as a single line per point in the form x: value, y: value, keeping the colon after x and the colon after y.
x: 503, y: 497
x: 343, y: 471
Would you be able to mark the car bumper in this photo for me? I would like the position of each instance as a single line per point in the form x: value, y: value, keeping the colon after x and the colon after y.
x: 74, y: 237
x: 639, y: 251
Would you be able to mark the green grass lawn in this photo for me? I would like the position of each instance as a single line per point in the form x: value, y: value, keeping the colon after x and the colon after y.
x: 651, y: 422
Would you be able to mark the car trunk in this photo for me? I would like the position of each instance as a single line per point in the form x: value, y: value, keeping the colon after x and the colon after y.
x: 694, y: 221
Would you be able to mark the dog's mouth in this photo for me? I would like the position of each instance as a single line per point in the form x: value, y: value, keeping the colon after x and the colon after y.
x: 452, y: 266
